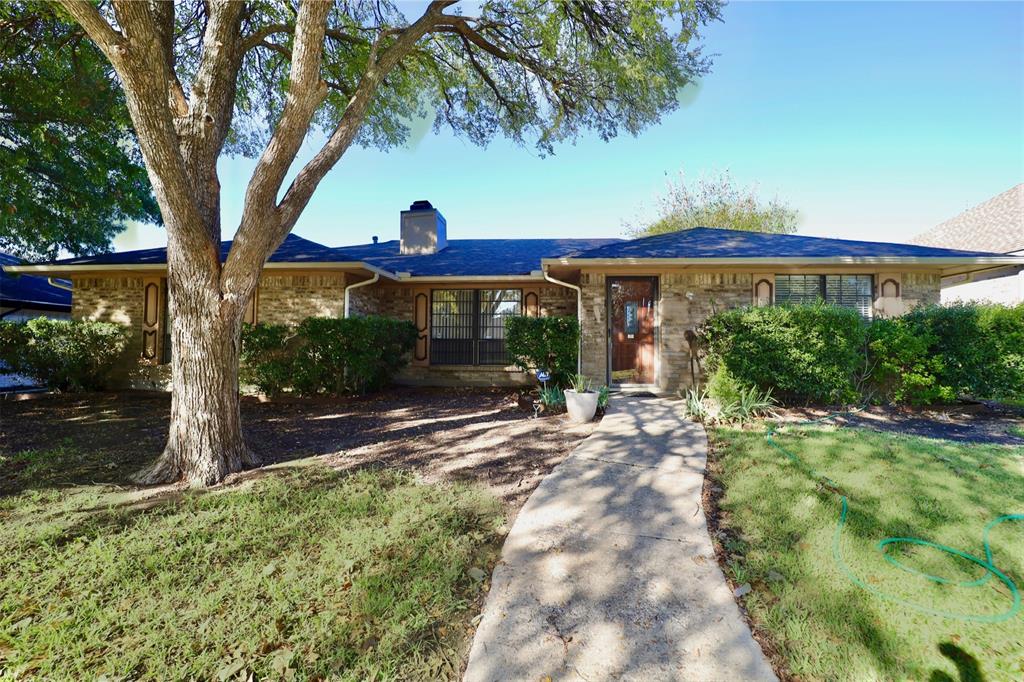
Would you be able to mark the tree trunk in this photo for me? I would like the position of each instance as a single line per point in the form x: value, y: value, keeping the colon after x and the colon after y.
x: 204, y: 442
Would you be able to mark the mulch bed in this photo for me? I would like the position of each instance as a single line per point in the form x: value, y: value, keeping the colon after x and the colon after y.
x: 961, y: 422
x: 480, y: 435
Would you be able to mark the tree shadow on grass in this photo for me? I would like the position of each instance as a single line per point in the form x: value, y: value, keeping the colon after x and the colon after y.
x: 967, y: 667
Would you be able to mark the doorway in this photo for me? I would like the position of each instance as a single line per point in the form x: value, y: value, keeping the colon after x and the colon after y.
x: 631, y: 329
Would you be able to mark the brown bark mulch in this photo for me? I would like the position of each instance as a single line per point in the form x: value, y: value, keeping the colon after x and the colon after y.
x: 991, y: 423
x: 480, y: 435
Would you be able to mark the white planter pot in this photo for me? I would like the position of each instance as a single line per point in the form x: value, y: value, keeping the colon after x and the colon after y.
x: 581, y: 406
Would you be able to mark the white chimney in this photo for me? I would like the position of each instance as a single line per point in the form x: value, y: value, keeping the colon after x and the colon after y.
x: 424, y: 230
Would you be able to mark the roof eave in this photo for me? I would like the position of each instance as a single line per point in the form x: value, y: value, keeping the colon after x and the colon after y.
x: 942, y: 263
x: 70, y: 269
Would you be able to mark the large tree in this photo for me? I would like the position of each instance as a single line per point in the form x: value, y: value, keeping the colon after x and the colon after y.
x: 70, y: 168
x: 718, y: 201
x: 202, y: 78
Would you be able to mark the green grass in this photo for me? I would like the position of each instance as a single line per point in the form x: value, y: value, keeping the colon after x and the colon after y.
x: 1016, y: 431
x: 779, y: 527
x: 302, y: 574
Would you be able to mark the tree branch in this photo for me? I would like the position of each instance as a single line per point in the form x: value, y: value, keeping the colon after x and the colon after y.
x: 102, y: 33
x: 260, y: 233
x: 313, y: 172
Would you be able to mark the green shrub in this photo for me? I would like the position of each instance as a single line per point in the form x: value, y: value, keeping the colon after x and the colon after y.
x: 804, y: 353
x: 904, y: 365
x: 550, y: 343
x: 981, y: 344
x: 326, y: 355
x: 266, y: 362
x: 350, y: 355
x: 63, y: 355
x: 723, y: 386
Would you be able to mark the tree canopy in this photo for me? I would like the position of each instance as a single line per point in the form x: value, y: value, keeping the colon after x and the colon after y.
x: 70, y: 169
x: 717, y: 201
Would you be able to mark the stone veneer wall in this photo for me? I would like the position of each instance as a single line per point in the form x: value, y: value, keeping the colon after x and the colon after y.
x: 920, y: 288
x: 289, y: 299
x: 677, y: 313
x: 594, y: 325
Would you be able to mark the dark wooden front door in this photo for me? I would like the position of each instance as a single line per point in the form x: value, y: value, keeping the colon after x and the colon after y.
x: 631, y: 333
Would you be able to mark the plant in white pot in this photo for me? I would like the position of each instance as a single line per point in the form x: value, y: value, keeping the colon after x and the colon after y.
x: 580, y: 400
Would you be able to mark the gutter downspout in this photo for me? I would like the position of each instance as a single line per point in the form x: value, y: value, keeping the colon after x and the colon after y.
x: 364, y: 283
x: 579, y: 315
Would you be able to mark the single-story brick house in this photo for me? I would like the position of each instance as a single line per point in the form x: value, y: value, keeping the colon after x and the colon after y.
x: 636, y: 299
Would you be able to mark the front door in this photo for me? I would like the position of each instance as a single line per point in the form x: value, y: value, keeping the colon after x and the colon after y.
x: 631, y: 328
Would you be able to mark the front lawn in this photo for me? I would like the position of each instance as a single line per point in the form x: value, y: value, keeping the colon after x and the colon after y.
x: 300, y: 574
x: 776, y: 525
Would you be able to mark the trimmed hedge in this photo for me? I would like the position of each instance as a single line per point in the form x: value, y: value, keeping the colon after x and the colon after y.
x: 326, y: 355
x: 981, y: 344
x: 550, y: 343
x: 63, y: 355
x: 826, y: 354
x: 803, y: 353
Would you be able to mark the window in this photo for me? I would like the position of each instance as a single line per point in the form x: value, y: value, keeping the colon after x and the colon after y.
x: 467, y: 326
x: 849, y: 291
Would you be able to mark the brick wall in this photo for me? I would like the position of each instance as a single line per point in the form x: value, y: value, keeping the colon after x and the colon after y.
x: 110, y: 299
x: 289, y: 299
x: 557, y: 300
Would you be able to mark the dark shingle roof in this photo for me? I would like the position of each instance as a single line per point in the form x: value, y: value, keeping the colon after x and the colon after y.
x: 496, y: 257
x: 294, y: 249
x: 30, y: 291
x: 708, y: 242
x: 471, y: 257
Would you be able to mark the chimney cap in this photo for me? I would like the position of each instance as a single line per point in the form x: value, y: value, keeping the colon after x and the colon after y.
x: 421, y: 205
x: 374, y: 239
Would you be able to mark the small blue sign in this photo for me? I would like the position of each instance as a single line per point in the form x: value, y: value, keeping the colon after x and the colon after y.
x: 543, y: 375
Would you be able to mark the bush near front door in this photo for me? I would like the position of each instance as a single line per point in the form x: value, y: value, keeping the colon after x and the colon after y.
x: 550, y: 343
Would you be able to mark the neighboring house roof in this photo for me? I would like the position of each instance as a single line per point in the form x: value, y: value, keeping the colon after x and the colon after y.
x: 709, y: 242
x: 995, y: 225
x: 30, y: 291
x: 472, y: 257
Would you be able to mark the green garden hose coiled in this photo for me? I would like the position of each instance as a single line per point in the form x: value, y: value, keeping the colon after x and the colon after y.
x: 987, y: 563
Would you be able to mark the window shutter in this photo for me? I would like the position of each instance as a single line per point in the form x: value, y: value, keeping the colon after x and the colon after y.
x: 421, y: 318
x: 152, y: 319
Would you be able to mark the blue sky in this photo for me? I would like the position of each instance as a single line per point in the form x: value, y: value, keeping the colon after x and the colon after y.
x: 874, y: 120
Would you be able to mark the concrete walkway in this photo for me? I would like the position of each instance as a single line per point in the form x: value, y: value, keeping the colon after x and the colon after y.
x: 608, y: 571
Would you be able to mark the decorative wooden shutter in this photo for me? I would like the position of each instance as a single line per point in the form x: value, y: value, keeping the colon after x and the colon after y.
x: 152, y: 319
x: 764, y: 289
x: 531, y: 303
x: 421, y: 318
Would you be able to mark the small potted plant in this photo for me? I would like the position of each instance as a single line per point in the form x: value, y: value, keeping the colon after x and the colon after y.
x: 580, y: 401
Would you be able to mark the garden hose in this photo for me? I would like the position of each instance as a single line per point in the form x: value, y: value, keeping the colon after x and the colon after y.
x: 987, y: 563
